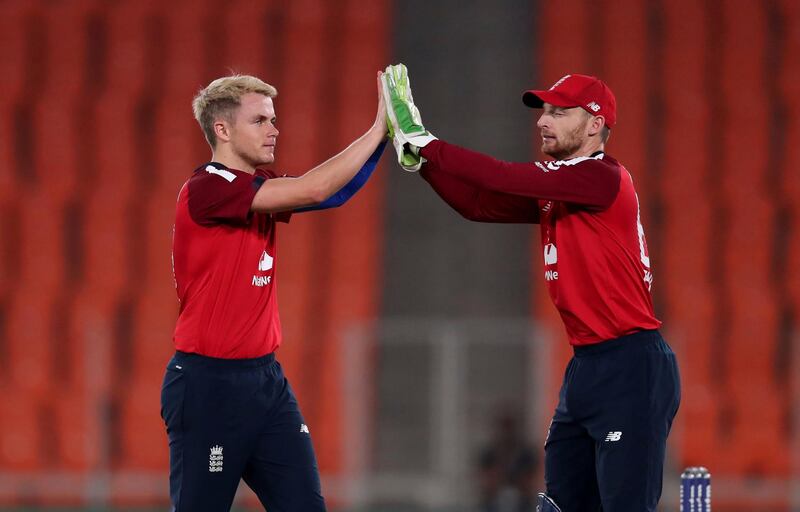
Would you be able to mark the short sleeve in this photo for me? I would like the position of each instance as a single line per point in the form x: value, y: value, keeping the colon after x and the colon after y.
x: 222, y: 196
x: 267, y: 174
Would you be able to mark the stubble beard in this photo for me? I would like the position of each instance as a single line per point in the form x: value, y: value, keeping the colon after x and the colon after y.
x: 253, y: 158
x: 572, y: 142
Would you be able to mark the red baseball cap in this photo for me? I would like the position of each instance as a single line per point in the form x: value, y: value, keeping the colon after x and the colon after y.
x: 588, y: 92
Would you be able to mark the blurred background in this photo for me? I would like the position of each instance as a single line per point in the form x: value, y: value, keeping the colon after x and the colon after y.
x: 423, y: 348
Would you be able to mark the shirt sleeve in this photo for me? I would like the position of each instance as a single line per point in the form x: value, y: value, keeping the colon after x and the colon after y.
x: 267, y: 174
x: 588, y: 181
x: 222, y: 196
x: 480, y: 205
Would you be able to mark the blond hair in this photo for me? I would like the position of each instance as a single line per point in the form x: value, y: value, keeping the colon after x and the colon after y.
x: 222, y: 97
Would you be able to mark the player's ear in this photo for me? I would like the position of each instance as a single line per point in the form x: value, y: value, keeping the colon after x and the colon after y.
x: 222, y: 130
x: 596, y: 125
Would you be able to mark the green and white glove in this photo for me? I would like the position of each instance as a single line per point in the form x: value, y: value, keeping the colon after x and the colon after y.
x: 405, y: 125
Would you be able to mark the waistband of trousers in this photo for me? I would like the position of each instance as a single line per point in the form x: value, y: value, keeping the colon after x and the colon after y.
x: 217, y: 363
x: 635, y: 339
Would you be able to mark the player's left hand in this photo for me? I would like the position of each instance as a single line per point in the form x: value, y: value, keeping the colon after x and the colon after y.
x: 404, y: 120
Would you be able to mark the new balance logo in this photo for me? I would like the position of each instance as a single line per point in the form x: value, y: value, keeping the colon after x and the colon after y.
x: 215, y: 460
x: 304, y: 429
x: 594, y: 106
x: 613, y: 437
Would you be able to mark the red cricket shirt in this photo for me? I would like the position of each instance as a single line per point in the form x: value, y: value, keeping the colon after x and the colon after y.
x: 224, y: 258
x: 596, y: 263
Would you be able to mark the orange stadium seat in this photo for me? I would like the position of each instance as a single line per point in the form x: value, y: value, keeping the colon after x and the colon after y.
x: 154, y: 322
x: 91, y: 344
x: 747, y: 254
x: 131, y: 43
x: 788, y: 71
x: 684, y: 25
x: 743, y: 45
x: 108, y: 254
x: 753, y: 339
x: 29, y: 343
x: 791, y: 277
x: 76, y: 420
x: 21, y: 441
x: 692, y: 320
x: 7, y: 253
x: 159, y: 221
x: 789, y: 188
x: 698, y: 424
x: 573, y: 55
x: 58, y: 159
x: 64, y: 27
x: 15, y: 22
x: 684, y: 169
x: 255, y: 25
x: 759, y: 442
x: 42, y: 262
x: 141, y: 435
x: 8, y: 154
x: 187, y: 46
x: 121, y: 166
x: 743, y: 174
x: 686, y: 252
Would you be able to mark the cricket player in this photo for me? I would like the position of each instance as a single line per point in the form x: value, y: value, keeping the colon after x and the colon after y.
x: 229, y: 411
x: 606, y: 442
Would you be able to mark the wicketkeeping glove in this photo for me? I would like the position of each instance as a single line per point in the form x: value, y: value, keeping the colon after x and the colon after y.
x: 405, y: 125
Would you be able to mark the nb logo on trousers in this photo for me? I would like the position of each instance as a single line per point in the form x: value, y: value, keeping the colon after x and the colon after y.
x: 613, y: 436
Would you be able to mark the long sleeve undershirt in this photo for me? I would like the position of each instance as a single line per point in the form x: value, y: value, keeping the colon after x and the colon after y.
x: 486, y: 189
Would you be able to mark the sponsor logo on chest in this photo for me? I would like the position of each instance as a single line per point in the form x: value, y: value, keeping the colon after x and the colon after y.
x: 264, y: 265
x: 550, y: 258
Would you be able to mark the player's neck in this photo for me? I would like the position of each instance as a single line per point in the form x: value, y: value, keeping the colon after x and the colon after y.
x: 229, y: 159
x: 587, y: 149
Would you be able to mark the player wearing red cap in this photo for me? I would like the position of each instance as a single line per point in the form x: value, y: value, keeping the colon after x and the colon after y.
x: 607, y: 440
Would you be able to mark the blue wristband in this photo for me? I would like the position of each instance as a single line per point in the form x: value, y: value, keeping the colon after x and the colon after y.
x: 353, y: 186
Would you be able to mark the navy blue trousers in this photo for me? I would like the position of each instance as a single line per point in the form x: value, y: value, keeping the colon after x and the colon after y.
x: 233, y: 419
x: 606, y: 444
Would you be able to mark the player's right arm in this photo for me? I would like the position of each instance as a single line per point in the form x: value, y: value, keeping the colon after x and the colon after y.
x: 480, y: 205
x: 321, y: 182
x: 590, y: 182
